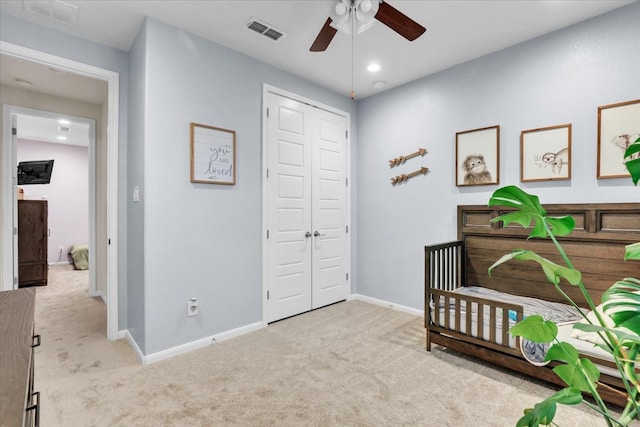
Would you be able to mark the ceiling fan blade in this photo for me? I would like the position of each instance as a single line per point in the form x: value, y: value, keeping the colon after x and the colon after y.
x: 324, y: 37
x: 399, y: 22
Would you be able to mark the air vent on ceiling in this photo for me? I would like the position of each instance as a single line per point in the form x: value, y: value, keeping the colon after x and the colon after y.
x: 64, y: 129
x: 265, y: 29
x: 56, y: 10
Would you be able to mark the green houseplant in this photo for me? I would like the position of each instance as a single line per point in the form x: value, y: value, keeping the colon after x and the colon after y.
x: 621, y: 303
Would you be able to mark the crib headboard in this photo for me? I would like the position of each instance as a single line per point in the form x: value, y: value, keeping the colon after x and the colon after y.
x: 596, y: 248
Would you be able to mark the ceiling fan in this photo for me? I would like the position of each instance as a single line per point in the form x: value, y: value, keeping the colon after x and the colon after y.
x: 358, y: 15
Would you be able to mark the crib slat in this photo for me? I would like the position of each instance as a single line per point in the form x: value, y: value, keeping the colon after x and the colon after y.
x: 480, y: 321
x: 468, y: 317
x: 492, y: 323
x: 505, y: 327
x: 447, y: 315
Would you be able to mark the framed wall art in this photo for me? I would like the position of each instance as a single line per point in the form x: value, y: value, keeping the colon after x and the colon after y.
x: 545, y: 153
x: 478, y: 156
x: 213, y: 155
x: 618, y: 126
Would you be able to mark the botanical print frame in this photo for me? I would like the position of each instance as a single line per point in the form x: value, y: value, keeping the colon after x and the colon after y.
x: 213, y: 155
x: 478, y: 156
x: 618, y: 126
x: 545, y: 153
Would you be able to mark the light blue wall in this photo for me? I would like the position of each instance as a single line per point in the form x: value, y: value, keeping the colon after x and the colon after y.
x: 559, y: 78
x: 22, y: 33
x: 201, y: 240
x: 135, y: 177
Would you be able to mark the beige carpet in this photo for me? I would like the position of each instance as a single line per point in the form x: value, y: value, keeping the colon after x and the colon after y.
x: 350, y: 364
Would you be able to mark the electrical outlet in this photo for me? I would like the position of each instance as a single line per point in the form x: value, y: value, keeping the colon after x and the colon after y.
x: 193, y: 308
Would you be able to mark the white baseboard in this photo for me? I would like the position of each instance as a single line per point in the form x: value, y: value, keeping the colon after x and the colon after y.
x: 194, y: 345
x: 223, y: 336
x: 99, y: 294
x: 134, y: 346
x: 391, y: 305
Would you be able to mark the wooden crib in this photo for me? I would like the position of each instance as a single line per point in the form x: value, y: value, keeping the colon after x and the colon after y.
x: 596, y: 248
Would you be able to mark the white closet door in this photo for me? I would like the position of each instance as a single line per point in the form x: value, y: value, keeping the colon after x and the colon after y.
x: 329, y: 282
x: 289, y: 208
x: 306, y: 208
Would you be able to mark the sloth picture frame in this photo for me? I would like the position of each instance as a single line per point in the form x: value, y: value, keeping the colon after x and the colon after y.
x: 478, y: 156
x: 545, y: 153
x: 618, y: 127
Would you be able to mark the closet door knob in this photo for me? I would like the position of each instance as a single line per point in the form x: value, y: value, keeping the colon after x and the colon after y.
x: 317, y: 233
x: 307, y: 234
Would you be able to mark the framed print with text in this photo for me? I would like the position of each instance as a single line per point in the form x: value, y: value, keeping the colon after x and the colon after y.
x: 213, y: 155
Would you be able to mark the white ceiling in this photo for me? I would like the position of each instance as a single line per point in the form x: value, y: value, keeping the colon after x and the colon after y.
x: 457, y: 31
x: 49, y: 129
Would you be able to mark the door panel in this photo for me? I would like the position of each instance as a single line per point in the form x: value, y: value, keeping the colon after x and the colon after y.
x: 289, y: 211
x: 329, y: 210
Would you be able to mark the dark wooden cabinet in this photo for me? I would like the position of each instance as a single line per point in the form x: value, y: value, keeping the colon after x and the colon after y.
x: 32, y: 243
x: 19, y: 404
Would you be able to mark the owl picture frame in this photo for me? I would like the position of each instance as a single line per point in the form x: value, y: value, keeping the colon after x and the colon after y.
x: 478, y: 156
x: 545, y: 153
x: 618, y: 127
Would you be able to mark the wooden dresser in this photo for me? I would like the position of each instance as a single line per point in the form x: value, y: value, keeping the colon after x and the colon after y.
x: 32, y: 243
x: 19, y: 404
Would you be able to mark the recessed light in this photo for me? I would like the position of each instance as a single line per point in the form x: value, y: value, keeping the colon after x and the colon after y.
x: 372, y: 68
x: 62, y: 138
x: 379, y: 84
x: 64, y: 122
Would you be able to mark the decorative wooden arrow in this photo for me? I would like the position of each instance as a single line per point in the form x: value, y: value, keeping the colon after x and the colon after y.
x: 400, y: 160
x: 405, y: 177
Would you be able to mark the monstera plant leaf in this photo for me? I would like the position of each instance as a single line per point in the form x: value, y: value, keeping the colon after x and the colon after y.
x: 528, y: 210
x: 622, y: 303
x: 633, y: 165
x: 577, y: 372
x: 632, y: 251
x: 536, y: 329
x: 552, y: 271
x: 544, y: 412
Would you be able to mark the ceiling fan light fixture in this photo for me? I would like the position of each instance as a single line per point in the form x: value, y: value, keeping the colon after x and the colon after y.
x: 366, y: 11
x: 341, y: 9
x: 340, y: 16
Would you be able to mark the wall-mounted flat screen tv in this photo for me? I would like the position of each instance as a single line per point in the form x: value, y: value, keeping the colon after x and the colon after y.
x: 35, y: 172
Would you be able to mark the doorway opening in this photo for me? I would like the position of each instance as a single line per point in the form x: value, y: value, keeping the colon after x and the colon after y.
x: 67, y: 144
x: 109, y: 115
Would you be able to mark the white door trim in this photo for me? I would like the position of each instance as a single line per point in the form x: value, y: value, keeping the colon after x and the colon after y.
x: 113, y: 87
x: 266, y: 88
